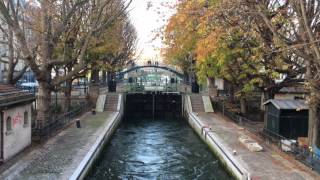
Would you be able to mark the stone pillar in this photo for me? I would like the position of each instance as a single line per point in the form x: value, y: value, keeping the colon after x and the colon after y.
x: 93, y: 93
x: 212, y: 89
x: 94, y: 86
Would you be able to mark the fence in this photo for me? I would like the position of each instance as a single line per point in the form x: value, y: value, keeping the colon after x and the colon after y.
x: 242, y: 121
x: 289, y: 146
x: 30, y: 89
x: 83, y: 89
x: 57, y: 122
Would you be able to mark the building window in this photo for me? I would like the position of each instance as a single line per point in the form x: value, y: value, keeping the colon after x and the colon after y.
x: 9, y: 123
x: 25, y: 118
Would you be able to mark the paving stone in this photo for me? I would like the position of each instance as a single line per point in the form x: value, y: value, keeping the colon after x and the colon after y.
x: 57, y: 158
x: 261, y: 165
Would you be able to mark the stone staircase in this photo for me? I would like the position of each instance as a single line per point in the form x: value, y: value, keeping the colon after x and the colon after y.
x: 197, y: 103
x: 111, y: 102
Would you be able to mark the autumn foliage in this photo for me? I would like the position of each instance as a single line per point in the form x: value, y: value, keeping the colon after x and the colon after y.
x: 253, y: 45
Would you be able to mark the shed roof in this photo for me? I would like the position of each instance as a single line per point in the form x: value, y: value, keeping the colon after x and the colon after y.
x: 288, y: 104
x: 10, y: 95
x: 294, y: 89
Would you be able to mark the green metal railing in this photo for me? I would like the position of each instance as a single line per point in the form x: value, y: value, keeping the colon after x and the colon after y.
x: 138, y: 87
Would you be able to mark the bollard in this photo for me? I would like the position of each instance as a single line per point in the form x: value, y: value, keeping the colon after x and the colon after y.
x: 93, y: 111
x: 78, y: 123
x: 234, y: 152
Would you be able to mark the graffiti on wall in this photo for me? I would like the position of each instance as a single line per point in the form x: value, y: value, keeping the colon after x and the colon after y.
x: 16, y: 119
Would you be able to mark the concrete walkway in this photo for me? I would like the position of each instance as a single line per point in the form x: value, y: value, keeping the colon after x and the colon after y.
x: 60, y: 156
x: 265, y: 165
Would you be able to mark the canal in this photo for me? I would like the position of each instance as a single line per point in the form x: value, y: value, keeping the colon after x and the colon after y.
x: 156, y: 149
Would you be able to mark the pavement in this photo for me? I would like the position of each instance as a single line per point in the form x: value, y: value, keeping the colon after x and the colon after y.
x: 265, y: 165
x: 59, y: 156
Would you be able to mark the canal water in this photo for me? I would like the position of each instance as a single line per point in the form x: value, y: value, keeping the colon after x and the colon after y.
x: 157, y: 149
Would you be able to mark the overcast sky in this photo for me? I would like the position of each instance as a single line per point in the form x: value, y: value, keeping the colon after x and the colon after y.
x: 148, y: 16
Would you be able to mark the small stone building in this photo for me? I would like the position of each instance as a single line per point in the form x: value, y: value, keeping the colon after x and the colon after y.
x: 288, y: 118
x: 15, y: 126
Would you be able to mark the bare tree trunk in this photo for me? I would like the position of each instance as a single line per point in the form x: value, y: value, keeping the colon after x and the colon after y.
x: 265, y: 97
x: 262, y: 102
x: 104, y: 77
x: 317, y: 125
x: 11, y: 57
x: 95, y: 76
x: 313, y: 124
x: 232, y: 97
x: 243, y: 105
x: 112, y: 86
x: 67, y: 96
x: 44, y: 78
x: 43, y: 105
x: 313, y: 133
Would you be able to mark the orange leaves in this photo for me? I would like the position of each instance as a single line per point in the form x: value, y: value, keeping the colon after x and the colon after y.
x: 208, y: 44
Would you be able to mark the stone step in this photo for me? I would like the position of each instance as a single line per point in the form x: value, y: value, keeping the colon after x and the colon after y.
x: 197, y: 103
x: 111, y: 103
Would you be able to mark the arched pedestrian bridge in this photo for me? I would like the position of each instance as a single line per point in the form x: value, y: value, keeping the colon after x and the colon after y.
x: 151, y: 78
x: 135, y: 68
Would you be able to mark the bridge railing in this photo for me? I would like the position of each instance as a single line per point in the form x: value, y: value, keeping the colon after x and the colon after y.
x: 137, y: 87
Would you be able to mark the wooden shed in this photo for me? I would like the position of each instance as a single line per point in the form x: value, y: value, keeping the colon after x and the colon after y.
x: 288, y: 118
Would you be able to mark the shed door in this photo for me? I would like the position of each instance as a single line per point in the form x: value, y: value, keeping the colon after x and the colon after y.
x: 273, y: 119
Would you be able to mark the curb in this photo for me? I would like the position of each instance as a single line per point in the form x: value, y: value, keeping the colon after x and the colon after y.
x: 214, y: 143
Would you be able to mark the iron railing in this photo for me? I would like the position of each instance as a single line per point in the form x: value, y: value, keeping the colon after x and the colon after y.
x: 303, y: 154
x: 82, y: 88
x: 57, y: 122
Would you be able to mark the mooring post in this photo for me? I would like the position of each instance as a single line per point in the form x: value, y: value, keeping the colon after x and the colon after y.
x: 78, y: 124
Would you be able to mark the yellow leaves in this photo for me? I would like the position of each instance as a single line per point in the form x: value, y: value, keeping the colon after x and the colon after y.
x: 110, y: 42
x: 181, y: 35
x: 191, y: 32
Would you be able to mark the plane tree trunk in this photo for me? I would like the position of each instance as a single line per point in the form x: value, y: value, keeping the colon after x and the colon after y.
x: 43, y: 105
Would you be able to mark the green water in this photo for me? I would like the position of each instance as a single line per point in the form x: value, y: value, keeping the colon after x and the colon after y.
x: 157, y: 149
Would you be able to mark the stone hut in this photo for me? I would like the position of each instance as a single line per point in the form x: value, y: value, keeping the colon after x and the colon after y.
x: 15, y: 126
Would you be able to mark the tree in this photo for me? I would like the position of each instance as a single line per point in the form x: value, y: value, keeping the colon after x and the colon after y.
x: 116, y: 49
x: 13, y: 57
x: 300, y: 35
x: 56, y: 19
x: 229, y: 42
x: 234, y: 60
x: 180, y: 36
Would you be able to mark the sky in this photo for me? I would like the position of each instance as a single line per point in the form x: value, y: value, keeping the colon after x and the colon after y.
x: 148, y: 16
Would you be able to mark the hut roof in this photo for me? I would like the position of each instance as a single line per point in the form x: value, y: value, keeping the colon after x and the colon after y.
x: 293, y: 90
x: 288, y: 104
x: 10, y: 95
